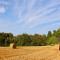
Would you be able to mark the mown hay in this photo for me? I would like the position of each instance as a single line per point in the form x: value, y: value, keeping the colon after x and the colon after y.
x: 13, y: 45
x: 59, y: 47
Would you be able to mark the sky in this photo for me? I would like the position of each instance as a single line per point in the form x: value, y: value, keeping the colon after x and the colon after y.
x: 29, y: 16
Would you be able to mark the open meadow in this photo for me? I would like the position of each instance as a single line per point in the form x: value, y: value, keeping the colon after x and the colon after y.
x: 30, y: 53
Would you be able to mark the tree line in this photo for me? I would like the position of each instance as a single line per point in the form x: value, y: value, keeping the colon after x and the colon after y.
x: 24, y: 39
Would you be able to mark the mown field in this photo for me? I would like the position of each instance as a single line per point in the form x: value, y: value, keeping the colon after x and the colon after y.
x: 30, y: 53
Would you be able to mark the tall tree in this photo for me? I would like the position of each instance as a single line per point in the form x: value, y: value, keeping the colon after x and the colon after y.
x: 49, y: 34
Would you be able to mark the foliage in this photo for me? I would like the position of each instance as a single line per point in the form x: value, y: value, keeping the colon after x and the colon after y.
x: 30, y: 40
x: 52, y: 40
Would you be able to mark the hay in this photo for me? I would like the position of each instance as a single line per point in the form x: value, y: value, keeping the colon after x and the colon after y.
x: 13, y: 45
x: 59, y: 47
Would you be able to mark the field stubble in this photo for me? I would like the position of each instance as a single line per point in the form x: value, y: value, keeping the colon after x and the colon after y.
x: 30, y: 53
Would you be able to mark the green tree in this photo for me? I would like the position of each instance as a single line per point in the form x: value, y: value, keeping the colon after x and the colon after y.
x: 24, y: 40
x: 49, y: 34
x: 52, y: 40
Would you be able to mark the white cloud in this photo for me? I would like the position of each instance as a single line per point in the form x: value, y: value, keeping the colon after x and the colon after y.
x: 40, y: 15
x: 29, y: 18
x: 3, y: 6
x: 2, y: 9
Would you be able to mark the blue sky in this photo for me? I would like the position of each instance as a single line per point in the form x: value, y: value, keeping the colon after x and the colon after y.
x: 29, y: 16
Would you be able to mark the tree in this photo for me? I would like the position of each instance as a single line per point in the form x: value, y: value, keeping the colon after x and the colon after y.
x: 24, y: 40
x: 49, y: 34
x: 52, y: 40
x: 5, y: 38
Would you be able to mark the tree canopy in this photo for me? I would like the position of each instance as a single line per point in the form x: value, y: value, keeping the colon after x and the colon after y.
x: 30, y: 40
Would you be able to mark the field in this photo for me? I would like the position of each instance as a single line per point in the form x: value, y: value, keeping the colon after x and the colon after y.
x: 30, y: 53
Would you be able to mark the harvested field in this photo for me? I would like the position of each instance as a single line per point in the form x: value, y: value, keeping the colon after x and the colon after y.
x: 30, y: 53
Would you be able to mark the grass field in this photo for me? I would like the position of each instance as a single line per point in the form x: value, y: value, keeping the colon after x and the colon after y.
x: 30, y: 53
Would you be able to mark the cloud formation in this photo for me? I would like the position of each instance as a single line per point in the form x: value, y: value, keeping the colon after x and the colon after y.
x: 31, y: 15
x: 3, y: 6
x: 2, y: 9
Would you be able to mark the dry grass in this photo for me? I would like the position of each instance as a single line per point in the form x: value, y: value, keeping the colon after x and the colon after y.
x: 30, y: 53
